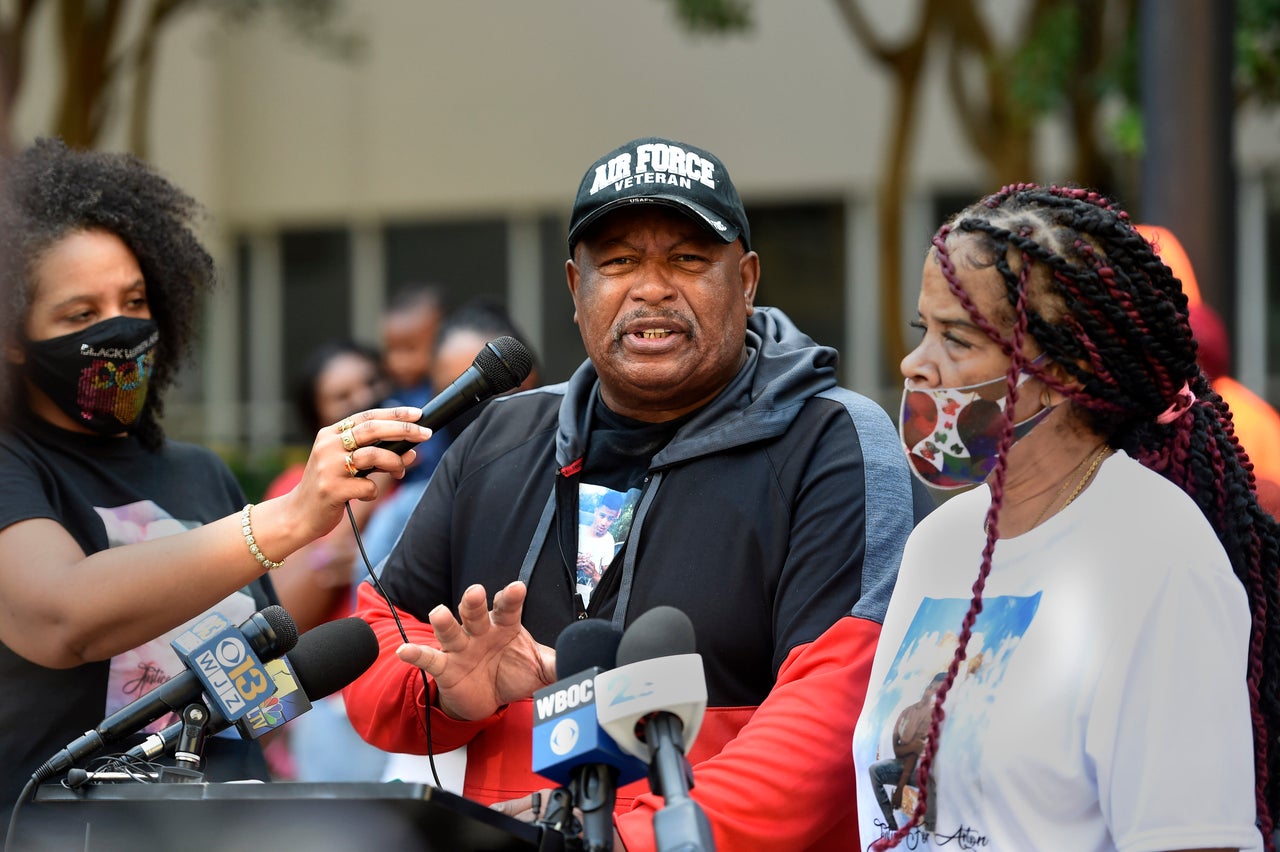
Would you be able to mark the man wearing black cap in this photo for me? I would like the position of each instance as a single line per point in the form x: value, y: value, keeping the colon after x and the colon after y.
x: 758, y: 497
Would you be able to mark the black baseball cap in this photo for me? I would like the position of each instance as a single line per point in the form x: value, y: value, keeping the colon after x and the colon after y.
x: 661, y: 171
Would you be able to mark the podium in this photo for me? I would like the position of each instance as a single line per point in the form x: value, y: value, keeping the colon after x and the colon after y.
x: 306, y: 817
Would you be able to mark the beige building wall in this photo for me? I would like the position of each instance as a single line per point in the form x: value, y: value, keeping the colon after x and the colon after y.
x: 495, y: 107
x: 498, y: 105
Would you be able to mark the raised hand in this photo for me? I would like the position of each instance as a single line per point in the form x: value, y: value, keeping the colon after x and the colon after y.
x: 487, y: 658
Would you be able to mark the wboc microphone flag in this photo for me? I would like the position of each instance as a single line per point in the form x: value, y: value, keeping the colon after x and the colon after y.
x: 566, y: 733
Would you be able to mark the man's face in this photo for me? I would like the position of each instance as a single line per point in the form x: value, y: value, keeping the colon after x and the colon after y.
x: 662, y: 305
x: 604, y: 519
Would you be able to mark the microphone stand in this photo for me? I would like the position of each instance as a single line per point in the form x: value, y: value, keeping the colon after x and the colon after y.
x: 559, y: 817
x: 189, y: 750
x: 681, y: 825
x: 594, y: 789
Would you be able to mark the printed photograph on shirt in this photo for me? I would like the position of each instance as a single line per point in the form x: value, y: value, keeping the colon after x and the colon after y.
x: 893, y: 736
x: 137, y: 672
x: 604, y: 518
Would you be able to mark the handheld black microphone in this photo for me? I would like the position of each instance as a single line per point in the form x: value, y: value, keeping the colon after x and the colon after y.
x: 266, y: 634
x: 326, y: 659
x: 569, y: 745
x: 653, y: 703
x: 502, y: 364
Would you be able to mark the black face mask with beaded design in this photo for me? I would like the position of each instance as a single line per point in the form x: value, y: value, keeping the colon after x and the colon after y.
x: 98, y: 376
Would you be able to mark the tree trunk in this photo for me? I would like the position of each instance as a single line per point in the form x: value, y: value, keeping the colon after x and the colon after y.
x: 905, y: 62
x: 893, y: 191
x: 13, y: 39
x: 144, y: 75
x: 997, y: 128
x: 86, y: 31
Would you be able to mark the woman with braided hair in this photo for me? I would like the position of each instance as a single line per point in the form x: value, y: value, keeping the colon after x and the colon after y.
x: 1105, y: 609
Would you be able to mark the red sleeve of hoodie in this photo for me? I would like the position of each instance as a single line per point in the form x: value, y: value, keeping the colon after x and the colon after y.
x: 386, y: 704
x: 787, y: 780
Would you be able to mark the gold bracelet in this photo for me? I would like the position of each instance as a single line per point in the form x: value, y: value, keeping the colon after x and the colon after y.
x: 247, y: 529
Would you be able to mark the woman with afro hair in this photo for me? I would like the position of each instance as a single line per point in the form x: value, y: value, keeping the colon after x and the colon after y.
x: 1100, y: 614
x: 113, y: 539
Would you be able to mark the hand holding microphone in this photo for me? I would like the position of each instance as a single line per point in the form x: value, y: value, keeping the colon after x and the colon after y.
x: 501, y: 365
x: 345, y: 453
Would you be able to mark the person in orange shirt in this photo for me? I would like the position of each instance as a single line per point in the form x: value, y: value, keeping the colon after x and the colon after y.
x: 1257, y: 424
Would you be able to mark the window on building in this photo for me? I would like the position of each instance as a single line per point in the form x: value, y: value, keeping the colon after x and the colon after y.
x: 466, y: 259
x: 561, y: 349
x: 802, y: 264
x: 316, y: 283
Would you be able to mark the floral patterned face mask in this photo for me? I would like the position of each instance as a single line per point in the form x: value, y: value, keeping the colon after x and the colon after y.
x: 951, y: 434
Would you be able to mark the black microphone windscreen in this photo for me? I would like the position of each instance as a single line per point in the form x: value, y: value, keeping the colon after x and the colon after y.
x: 586, y: 644
x: 282, y: 625
x: 663, y: 631
x: 332, y: 655
x: 504, y: 362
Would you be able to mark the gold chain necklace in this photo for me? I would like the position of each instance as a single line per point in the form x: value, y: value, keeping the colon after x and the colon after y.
x: 1098, y: 456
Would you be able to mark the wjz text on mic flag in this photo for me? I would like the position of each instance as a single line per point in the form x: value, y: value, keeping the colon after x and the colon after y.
x: 224, y: 664
x: 326, y: 659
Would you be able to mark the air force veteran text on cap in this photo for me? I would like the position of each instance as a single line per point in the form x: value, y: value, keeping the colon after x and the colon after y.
x: 661, y: 171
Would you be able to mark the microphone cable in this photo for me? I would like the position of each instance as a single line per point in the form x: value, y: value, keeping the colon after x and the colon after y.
x: 501, y: 365
x: 426, y: 687
x: 28, y: 791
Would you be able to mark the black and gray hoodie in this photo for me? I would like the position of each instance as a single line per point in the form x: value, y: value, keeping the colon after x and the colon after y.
x: 774, y: 511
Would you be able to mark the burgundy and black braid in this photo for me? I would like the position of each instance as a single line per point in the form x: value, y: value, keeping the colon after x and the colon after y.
x: 1109, y: 313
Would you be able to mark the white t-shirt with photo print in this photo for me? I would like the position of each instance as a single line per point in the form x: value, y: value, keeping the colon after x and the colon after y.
x: 1102, y: 704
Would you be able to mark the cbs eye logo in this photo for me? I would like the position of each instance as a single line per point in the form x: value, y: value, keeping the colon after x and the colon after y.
x: 564, y: 736
x: 245, y: 673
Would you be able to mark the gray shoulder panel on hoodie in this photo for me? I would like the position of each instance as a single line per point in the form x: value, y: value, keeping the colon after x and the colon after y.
x: 889, y: 502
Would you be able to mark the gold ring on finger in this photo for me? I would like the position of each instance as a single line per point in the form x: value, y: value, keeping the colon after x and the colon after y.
x: 346, y: 425
x: 351, y: 465
x: 348, y: 441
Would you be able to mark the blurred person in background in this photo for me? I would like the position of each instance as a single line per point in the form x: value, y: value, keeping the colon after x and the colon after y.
x: 338, y: 378
x: 460, y: 338
x: 1256, y: 422
x: 410, y: 325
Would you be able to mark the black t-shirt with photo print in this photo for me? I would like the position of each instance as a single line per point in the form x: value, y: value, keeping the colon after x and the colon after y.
x: 612, y: 480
